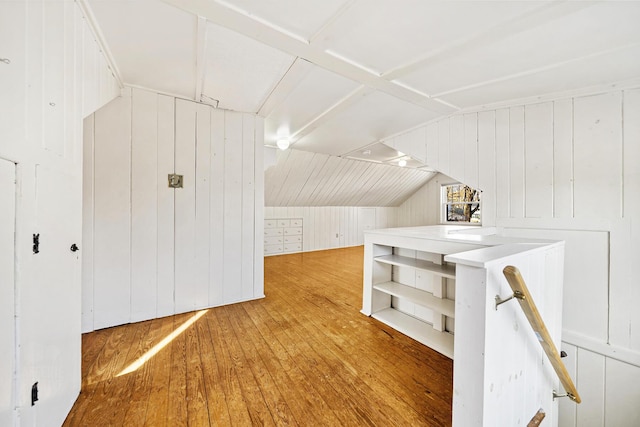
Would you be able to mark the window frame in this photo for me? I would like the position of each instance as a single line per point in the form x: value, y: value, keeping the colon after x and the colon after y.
x: 444, y: 203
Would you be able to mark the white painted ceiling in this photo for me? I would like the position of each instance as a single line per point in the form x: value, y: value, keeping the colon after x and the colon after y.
x: 339, y: 75
x: 304, y: 178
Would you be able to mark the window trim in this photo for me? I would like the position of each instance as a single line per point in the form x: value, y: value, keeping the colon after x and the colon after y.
x: 444, y: 204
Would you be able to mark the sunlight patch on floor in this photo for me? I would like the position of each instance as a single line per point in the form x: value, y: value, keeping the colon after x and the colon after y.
x: 156, y: 348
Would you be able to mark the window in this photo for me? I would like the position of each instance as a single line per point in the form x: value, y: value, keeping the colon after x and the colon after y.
x: 460, y: 204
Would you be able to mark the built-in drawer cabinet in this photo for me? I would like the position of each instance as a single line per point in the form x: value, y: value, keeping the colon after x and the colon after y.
x: 273, y: 240
x: 270, y: 223
x: 282, y: 235
x: 297, y: 238
x: 273, y: 232
x: 292, y: 231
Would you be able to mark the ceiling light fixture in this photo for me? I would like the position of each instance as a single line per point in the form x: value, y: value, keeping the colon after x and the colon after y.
x: 402, y: 163
x: 283, y: 143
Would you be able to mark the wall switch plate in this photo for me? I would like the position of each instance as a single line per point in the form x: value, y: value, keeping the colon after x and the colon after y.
x: 175, y: 180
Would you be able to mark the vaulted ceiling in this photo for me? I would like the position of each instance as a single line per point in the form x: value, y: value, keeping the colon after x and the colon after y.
x: 339, y: 76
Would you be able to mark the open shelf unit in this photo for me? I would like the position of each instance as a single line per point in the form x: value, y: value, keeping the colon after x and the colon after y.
x: 409, y: 286
x: 442, y: 342
x: 448, y: 271
x: 423, y: 298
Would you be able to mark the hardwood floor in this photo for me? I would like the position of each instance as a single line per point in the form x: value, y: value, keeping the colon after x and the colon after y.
x: 304, y: 355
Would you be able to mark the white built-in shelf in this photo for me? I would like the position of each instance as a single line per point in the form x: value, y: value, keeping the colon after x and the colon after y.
x: 442, y: 342
x: 418, y: 296
x: 448, y: 271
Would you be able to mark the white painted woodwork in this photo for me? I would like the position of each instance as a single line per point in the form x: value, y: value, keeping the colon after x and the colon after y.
x: 575, y: 167
x: 423, y: 207
x: 54, y: 74
x: 171, y: 250
x: 302, y: 178
x: 165, y: 274
x: 621, y: 389
x: 538, y: 170
x: 87, y: 232
x: 186, y: 283
x: 144, y: 199
x: 217, y: 214
x: 56, y: 269
x: 396, y: 290
x: 486, y: 165
x: 500, y: 375
x: 597, y: 166
x: 592, y: 382
x: 168, y: 34
x: 111, y: 221
x: 246, y: 71
x: 7, y: 295
x: 568, y: 409
x: 321, y: 224
x: 283, y: 235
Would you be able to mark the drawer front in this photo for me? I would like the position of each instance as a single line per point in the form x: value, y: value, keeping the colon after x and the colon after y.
x: 293, y: 247
x: 293, y: 239
x: 296, y: 222
x: 273, y: 232
x: 273, y: 240
x: 273, y: 249
x: 293, y: 231
x: 284, y: 223
x: 270, y: 223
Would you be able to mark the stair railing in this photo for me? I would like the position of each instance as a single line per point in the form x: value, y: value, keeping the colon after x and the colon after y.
x: 521, y: 293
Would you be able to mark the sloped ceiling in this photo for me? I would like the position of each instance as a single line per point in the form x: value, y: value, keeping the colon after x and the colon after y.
x: 338, y: 75
x: 303, y: 178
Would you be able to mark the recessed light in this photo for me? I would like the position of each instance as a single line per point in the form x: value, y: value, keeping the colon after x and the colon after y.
x: 402, y: 163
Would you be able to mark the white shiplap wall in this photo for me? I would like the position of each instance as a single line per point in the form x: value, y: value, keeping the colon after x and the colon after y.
x: 53, y: 73
x: 329, y: 227
x: 156, y: 251
x: 564, y: 169
x: 423, y: 207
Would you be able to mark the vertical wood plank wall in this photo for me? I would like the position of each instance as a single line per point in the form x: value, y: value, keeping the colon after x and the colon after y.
x: 55, y: 75
x: 564, y: 169
x: 156, y: 250
x: 321, y: 224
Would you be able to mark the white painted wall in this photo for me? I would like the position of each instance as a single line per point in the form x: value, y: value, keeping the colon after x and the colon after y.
x: 423, y: 207
x: 321, y: 225
x: 154, y: 250
x: 7, y: 300
x: 54, y: 75
x: 563, y: 169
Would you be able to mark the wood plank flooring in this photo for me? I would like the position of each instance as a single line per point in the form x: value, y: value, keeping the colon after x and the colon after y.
x: 304, y: 356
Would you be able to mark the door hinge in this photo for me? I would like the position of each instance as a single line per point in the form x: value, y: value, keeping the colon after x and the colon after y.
x: 36, y: 243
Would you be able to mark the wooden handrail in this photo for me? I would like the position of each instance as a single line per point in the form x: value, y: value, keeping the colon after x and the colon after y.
x: 521, y: 293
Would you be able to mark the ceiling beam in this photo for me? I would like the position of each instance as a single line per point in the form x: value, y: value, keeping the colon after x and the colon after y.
x: 525, y: 22
x: 331, y: 112
x: 257, y: 29
x: 538, y: 70
x: 295, y: 74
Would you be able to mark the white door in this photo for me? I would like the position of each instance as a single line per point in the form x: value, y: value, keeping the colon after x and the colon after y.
x: 7, y: 301
x: 54, y: 289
